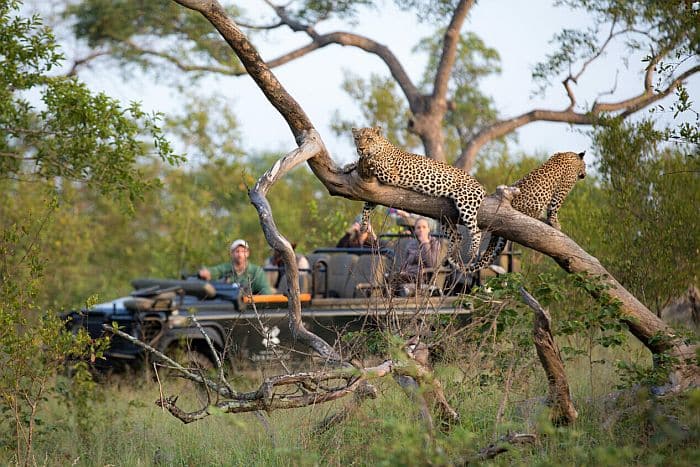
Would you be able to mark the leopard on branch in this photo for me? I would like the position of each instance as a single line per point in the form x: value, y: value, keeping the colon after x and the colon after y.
x: 542, y: 191
x: 393, y: 166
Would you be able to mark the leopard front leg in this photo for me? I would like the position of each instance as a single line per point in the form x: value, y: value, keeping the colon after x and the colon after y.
x: 553, y: 209
x: 468, y: 201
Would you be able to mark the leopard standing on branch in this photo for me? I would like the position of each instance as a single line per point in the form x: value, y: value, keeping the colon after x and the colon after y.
x: 542, y: 191
x: 396, y: 167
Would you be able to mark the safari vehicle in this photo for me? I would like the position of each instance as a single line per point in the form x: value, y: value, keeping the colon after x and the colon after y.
x: 345, y: 291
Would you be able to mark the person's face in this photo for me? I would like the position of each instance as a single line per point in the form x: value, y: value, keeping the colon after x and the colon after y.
x: 239, y: 256
x: 422, y: 230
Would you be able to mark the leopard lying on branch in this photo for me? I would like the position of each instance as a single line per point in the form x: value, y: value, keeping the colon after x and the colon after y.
x: 396, y: 167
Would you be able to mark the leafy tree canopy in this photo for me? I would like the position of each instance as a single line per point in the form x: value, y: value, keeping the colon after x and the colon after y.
x: 55, y: 128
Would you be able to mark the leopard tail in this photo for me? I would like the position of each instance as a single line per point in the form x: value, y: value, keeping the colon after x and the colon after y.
x: 493, y: 250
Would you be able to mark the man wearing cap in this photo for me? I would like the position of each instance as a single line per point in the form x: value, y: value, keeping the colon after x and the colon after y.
x: 239, y: 270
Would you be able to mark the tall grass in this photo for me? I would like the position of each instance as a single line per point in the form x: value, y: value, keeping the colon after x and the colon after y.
x: 124, y: 427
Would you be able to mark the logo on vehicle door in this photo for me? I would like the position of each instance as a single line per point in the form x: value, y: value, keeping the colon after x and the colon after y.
x: 270, y: 338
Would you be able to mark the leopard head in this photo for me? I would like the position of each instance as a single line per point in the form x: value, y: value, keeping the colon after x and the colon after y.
x: 368, y: 140
x: 582, y: 167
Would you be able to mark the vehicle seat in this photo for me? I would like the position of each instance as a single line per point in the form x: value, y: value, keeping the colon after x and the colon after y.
x: 318, y: 273
x: 304, y: 282
x: 339, y: 273
x: 272, y: 273
x: 369, y: 275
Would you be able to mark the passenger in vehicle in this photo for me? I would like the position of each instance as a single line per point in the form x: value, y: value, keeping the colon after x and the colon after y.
x: 275, y: 261
x: 422, y: 252
x: 239, y: 270
x: 407, y: 220
x: 354, y: 238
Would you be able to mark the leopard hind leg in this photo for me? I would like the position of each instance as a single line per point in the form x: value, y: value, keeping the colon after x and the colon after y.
x: 454, y: 244
x: 493, y: 250
x: 367, y: 209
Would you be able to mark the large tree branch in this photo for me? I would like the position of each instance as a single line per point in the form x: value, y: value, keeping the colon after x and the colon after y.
x: 449, y: 51
x: 625, y: 107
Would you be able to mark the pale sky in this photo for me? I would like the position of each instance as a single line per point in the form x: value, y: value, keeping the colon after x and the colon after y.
x: 519, y: 30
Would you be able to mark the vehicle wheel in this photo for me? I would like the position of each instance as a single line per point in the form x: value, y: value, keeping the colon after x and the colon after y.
x: 192, y: 396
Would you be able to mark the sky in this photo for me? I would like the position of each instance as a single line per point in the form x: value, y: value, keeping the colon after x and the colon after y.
x: 519, y: 30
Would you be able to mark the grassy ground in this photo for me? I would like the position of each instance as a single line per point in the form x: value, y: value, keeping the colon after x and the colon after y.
x: 123, y: 427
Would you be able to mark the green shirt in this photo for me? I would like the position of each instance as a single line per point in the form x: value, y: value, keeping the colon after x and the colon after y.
x: 253, y: 278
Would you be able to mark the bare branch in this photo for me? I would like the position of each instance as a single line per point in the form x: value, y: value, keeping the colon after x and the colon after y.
x: 649, y: 96
x: 449, y: 51
x: 626, y: 107
x: 260, y: 27
x: 77, y: 63
x: 311, y: 146
x: 175, y: 60
x: 559, y: 397
x: 215, y: 354
x: 172, y: 363
x: 504, y: 444
x: 611, y: 35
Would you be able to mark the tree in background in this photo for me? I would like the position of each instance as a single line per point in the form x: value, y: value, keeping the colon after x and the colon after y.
x: 494, y: 213
x: 648, y: 213
x: 446, y: 106
x: 54, y: 135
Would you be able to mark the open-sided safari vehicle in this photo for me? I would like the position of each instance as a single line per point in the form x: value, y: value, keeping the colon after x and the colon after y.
x: 345, y: 291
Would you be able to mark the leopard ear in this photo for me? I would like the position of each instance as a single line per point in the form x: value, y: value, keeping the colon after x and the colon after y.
x: 581, y: 154
x: 378, y: 129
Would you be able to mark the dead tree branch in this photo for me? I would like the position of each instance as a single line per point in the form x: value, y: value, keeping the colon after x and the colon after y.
x: 503, y: 445
x: 559, y: 397
x: 301, y: 390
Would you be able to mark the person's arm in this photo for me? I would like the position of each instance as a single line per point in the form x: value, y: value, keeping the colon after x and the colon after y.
x: 216, y: 272
x: 343, y: 242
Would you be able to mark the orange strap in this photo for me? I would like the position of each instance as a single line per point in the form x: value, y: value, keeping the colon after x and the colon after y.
x: 274, y: 298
